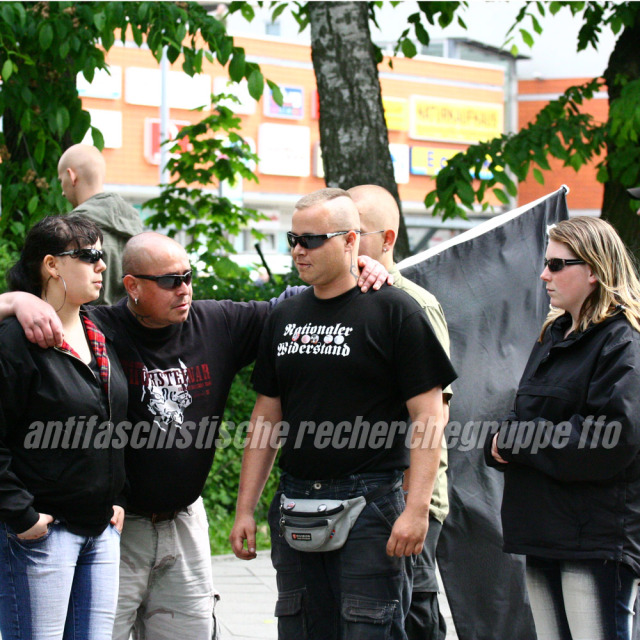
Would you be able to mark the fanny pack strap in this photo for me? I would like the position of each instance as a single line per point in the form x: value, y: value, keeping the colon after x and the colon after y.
x: 382, y: 490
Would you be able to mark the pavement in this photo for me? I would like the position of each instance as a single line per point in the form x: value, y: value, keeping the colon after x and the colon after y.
x: 249, y: 595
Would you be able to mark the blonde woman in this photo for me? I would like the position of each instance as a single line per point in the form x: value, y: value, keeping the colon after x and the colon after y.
x: 571, y: 448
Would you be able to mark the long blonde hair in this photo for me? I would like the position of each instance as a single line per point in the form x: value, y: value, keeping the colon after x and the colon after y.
x: 597, y: 243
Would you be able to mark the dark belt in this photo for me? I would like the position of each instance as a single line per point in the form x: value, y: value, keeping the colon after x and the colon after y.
x: 161, y: 516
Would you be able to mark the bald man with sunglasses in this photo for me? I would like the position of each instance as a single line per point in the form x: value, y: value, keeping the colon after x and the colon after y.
x: 180, y: 357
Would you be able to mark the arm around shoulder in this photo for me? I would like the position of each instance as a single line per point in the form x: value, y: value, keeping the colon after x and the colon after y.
x: 38, y: 318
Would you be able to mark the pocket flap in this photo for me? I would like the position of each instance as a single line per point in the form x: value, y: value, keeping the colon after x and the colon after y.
x: 368, y: 610
x: 289, y: 603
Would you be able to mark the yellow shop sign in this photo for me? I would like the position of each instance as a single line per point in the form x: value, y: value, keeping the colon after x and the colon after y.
x: 454, y: 120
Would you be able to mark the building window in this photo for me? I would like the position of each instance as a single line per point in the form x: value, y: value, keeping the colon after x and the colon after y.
x: 272, y: 28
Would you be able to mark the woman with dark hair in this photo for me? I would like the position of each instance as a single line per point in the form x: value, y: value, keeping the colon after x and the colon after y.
x: 571, y: 448
x: 60, y: 477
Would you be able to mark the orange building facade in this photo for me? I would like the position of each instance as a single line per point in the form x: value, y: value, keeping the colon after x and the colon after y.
x: 585, y: 195
x: 434, y: 108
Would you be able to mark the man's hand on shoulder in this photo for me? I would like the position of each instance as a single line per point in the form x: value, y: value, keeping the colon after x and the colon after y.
x: 38, y: 318
x: 373, y: 274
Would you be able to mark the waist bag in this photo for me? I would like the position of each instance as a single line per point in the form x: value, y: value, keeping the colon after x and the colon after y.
x: 323, y: 524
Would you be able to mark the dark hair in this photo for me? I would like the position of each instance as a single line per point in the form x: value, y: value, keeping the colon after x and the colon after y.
x: 50, y: 236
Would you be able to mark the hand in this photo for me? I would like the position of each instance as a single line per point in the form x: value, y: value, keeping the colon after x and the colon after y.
x: 117, y: 519
x: 244, y: 528
x: 494, y: 451
x: 373, y: 274
x: 408, y: 534
x: 39, y: 529
x: 39, y: 321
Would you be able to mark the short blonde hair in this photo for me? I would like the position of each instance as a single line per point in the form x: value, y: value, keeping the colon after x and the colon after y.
x: 320, y: 196
x: 344, y: 214
x: 617, y: 288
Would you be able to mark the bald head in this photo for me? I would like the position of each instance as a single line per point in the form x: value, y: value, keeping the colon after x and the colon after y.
x: 82, y: 170
x: 146, y: 250
x: 379, y: 221
x: 376, y: 206
x: 156, y: 301
x: 343, y: 213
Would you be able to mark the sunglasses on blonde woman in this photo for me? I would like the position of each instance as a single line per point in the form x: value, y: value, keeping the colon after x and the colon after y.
x: 558, y: 264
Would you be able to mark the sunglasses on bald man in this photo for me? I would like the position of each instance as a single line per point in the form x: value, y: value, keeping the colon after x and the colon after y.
x: 168, y: 281
x: 313, y: 240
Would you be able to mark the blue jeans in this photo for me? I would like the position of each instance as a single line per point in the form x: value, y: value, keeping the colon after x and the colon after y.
x: 357, y: 592
x: 581, y: 599
x: 59, y: 586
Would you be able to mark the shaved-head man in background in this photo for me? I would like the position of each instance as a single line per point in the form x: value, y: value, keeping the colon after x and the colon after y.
x: 82, y: 170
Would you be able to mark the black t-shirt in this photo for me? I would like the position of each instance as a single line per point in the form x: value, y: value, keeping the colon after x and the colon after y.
x: 344, y: 369
x: 179, y: 379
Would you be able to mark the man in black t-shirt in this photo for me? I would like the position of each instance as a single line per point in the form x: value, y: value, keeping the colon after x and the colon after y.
x: 324, y: 384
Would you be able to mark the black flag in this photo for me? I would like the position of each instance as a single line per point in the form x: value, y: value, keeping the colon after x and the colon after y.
x: 487, y: 281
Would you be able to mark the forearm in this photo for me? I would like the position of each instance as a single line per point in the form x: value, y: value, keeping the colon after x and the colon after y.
x: 410, y: 529
x: 445, y: 421
x: 259, y: 454
x: 38, y: 318
x: 16, y: 502
x: 7, y: 304
x: 423, y: 471
x: 577, y: 449
x: 256, y: 467
x: 426, y: 447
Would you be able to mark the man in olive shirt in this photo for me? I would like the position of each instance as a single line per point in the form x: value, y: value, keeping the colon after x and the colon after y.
x: 379, y: 222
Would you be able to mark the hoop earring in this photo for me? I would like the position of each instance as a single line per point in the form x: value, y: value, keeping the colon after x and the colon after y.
x: 64, y: 284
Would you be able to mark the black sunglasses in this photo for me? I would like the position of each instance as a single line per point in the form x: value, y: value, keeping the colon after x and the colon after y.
x: 312, y: 240
x: 90, y: 256
x: 168, y: 281
x: 368, y: 233
x: 558, y: 264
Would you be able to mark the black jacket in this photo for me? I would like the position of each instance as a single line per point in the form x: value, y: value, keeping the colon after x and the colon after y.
x: 576, y: 493
x: 55, y: 456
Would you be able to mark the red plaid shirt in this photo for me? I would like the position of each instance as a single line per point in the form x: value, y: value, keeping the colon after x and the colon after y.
x: 97, y: 344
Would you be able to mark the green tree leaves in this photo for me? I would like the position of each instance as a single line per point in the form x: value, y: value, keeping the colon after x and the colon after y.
x: 560, y: 130
x: 217, y: 154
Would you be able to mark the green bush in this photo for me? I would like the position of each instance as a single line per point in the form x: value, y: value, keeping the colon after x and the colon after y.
x: 233, y: 283
x: 8, y: 257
